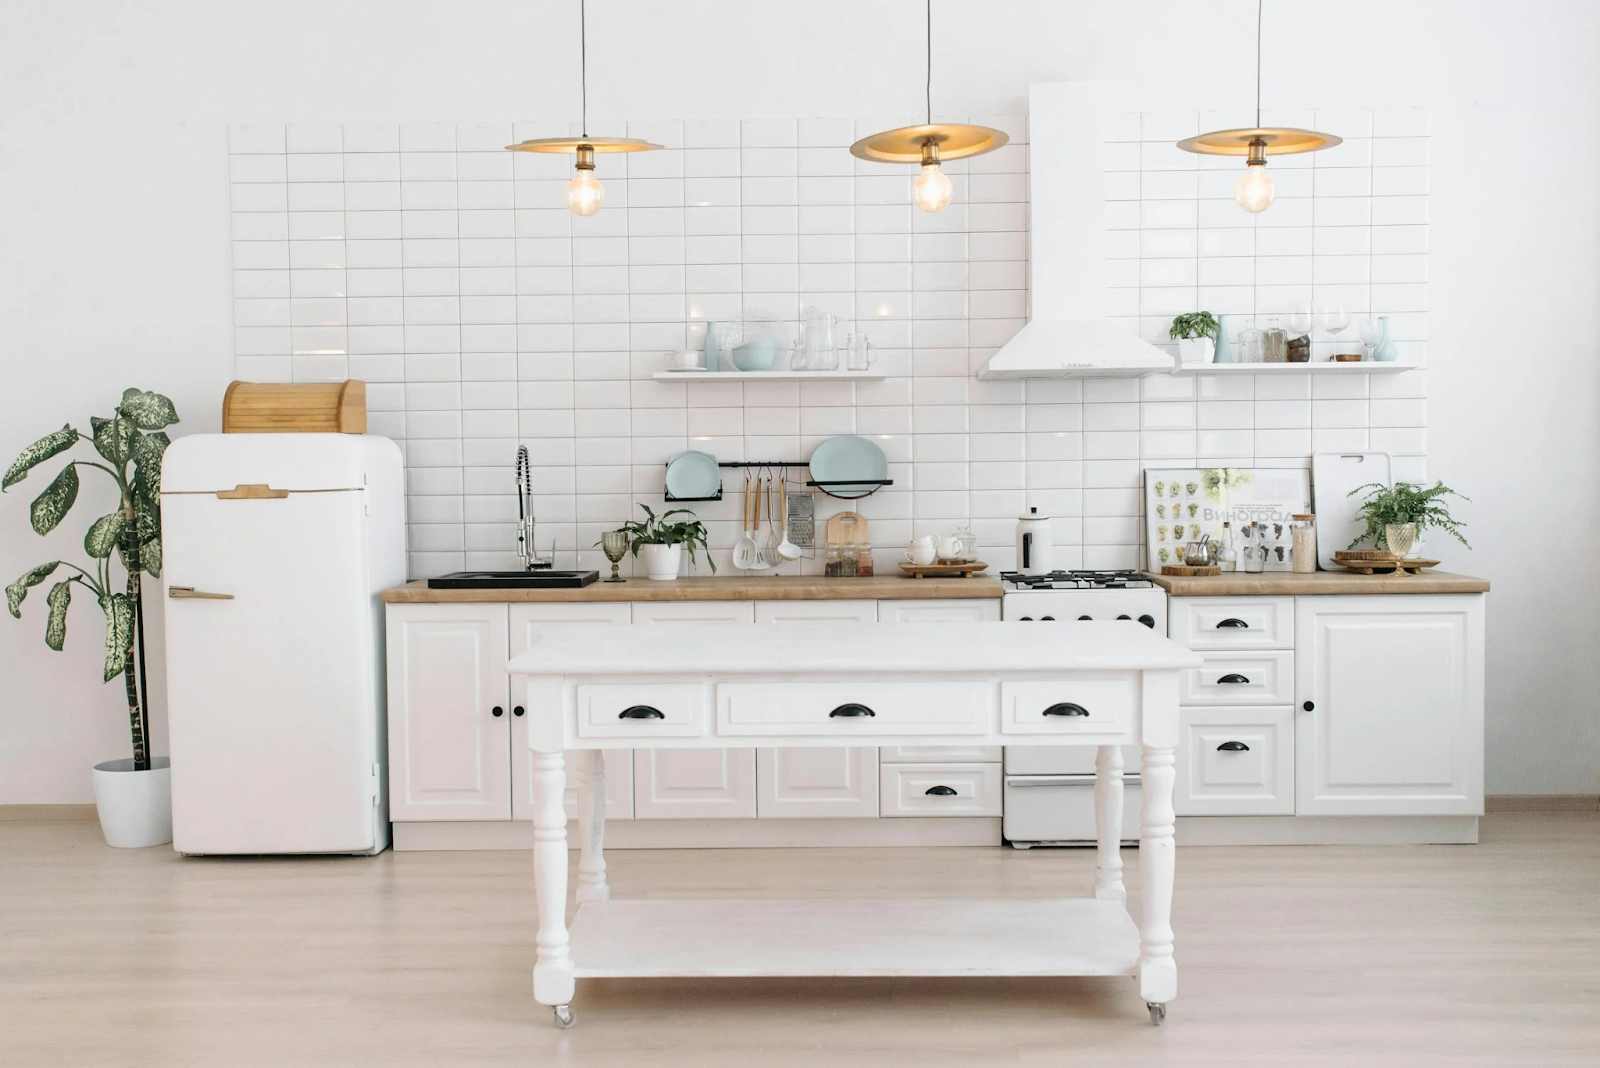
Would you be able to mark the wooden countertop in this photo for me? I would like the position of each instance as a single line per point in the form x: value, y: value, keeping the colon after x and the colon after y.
x: 1287, y: 583
x: 771, y: 588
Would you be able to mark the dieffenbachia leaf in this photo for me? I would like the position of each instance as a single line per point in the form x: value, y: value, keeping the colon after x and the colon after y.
x: 55, y: 631
x: 147, y: 411
x: 37, y: 453
x: 150, y: 557
x: 104, y: 534
x: 147, y: 452
x: 119, y: 632
x: 51, y: 506
x: 19, y: 589
x: 113, y: 439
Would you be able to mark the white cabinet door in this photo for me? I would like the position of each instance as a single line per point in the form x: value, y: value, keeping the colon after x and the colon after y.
x: 1390, y: 696
x: 971, y: 610
x: 449, y: 724
x: 694, y: 783
x: 527, y: 620
x: 823, y: 782
x: 797, y: 783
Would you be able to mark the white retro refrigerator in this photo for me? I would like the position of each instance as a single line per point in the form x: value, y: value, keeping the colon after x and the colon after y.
x: 277, y: 547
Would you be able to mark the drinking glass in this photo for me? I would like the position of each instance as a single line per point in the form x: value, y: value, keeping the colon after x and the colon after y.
x: 1371, y: 333
x: 1299, y: 321
x: 1254, y: 342
x: 615, y: 544
x: 1332, y: 315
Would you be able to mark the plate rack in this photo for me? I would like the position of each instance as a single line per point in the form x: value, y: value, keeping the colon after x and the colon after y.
x: 844, y: 491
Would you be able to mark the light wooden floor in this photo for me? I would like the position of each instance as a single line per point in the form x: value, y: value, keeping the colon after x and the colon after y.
x: 1414, y: 956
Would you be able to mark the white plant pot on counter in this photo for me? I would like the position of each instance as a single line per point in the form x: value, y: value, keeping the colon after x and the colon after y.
x: 1196, y: 350
x: 135, y: 806
x: 661, y: 562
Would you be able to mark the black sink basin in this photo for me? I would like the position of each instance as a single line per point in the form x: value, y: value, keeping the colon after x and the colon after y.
x: 513, y: 580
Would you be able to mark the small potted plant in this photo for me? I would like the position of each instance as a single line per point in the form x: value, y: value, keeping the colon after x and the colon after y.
x: 1196, y: 335
x: 133, y: 795
x: 1396, y: 515
x: 663, y: 541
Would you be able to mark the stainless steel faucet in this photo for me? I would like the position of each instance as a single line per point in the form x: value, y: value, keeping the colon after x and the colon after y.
x: 527, y: 547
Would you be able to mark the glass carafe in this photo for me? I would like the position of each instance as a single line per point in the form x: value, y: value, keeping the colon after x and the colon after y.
x: 1274, y: 343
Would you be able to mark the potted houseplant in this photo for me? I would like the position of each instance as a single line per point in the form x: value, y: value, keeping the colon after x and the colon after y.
x: 663, y: 541
x: 1396, y: 515
x: 1196, y: 335
x: 133, y: 794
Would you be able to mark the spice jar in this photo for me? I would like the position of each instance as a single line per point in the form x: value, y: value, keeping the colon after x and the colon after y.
x: 847, y: 561
x: 863, y: 560
x: 830, y: 562
x: 1303, y: 549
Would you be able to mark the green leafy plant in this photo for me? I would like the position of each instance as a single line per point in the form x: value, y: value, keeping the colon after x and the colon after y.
x: 1193, y: 325
x: 131, y: 443
x: 1406, y: 502
x: 656, y: 530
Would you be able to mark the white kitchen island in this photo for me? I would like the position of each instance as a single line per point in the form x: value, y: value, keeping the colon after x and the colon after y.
x: 1104, y: 684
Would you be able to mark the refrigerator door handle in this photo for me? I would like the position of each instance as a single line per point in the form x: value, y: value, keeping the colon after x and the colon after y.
x: 189, y: 593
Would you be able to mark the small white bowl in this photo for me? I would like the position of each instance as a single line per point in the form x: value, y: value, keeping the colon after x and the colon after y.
x: 686, y: 360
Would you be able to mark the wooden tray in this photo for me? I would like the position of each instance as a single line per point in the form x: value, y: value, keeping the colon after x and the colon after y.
x: 1344, y: 555
x: 1184, y: 570
x: 1388, y: 566
x: 307, y: 408
x: 942, y: 570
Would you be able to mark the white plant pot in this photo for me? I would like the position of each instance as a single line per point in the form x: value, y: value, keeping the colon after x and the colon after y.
x: 135, y: 806
x: 1192, y: 350
x: 661, y: 562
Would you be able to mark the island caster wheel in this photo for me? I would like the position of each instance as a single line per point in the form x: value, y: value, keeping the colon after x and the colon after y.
x: 565, y: 1019
x: 1158, y: 1012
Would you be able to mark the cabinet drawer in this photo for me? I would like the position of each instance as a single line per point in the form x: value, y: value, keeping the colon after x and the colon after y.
x: 974, y: 610
x: 864, y: 708
x: 1204, y: 623
x: 1088, y: 704
x: 939, y: 789
x: 643, y: 710
x: 940, y: 754
x: 1235, y: 762
x: 1239, y: 679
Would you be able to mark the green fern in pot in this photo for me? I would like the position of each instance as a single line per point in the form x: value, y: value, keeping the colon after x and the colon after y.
x: 1397, y: 515
x: 130, y: 443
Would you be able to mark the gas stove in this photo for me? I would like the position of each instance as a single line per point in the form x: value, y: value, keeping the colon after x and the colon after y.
x: 1076, y: 580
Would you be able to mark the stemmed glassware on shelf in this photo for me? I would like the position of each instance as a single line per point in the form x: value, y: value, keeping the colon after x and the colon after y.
x: 1371, y: 333
x: 615, y: 544
x: 1332, y: 315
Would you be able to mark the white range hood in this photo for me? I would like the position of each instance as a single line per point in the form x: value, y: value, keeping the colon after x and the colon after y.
x: 1067, y: 335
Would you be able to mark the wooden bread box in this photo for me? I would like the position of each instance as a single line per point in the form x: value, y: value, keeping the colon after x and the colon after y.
x: 301, y: 408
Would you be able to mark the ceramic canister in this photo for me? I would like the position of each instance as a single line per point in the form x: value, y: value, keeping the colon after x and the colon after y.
x: 1034, y: 546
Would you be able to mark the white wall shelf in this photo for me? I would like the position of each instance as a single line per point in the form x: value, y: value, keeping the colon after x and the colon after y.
x: 767, y: 376
x: 1321, y: 367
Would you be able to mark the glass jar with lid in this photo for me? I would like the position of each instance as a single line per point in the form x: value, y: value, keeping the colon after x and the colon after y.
x: 1303, y: 544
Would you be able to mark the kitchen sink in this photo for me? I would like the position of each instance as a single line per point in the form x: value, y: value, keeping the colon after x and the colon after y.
x: 513, y: 580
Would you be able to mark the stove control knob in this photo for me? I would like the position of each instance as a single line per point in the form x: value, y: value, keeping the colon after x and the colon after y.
x: 1148, y: 620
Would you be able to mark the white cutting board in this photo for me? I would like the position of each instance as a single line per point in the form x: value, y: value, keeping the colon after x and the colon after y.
x: 1333, y: 476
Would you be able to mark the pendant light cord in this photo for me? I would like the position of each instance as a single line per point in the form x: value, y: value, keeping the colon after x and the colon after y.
x: 928, y: 85
x: 1258, y: 62
x: 583, y: 63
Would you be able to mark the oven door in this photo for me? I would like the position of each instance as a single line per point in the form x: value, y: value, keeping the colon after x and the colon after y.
x: 1059, y: 810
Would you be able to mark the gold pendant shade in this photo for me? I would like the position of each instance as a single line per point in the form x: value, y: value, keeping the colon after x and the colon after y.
x: 1276, y: 141
x: 572, y: 145
x: 905, y: 145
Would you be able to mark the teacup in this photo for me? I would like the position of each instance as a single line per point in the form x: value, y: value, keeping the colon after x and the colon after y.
x: 923, y: 551
x: 949, y: 547
x: 686, y: 360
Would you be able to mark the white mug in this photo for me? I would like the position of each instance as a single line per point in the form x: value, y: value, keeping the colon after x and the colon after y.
x: 949, y: 547
x: 923, y: 551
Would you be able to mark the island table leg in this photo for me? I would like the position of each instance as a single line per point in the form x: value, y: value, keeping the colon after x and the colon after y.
x: 592, y: 826
x: 1158, y: 971
x: 553, y: 981
x: 1108, y: 824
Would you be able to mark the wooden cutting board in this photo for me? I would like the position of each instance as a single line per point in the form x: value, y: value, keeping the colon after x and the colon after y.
x: 1333, y: 476
x: 848, y: 528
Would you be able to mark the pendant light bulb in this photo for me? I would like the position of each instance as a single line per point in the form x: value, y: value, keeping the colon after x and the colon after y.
x: 585, y: 194
x: 932, y: 189
x: 1254, y: 189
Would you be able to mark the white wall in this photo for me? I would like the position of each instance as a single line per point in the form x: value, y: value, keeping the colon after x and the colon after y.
x: 113, y: 156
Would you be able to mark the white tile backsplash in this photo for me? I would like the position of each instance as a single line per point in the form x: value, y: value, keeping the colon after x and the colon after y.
x: 448, y: 274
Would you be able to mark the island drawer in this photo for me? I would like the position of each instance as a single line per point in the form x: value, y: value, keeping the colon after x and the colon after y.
x: 856, y: 708
x: 1204, y: 623
x: 643, y: 710
x: 1091, y: 703
x: 1235, y: 762
x: 1265, y: 678
x: 939, y: 789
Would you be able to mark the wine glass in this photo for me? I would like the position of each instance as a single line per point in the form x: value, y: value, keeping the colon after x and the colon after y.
x: 1332, y: 315
x: 1371, y: 333
x: 1299, y: 320
x: 615, y: 544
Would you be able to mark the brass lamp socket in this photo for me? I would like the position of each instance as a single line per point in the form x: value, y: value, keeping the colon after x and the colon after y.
x: 930, y: 153
x: 1258, y: 154
x: 585, y: 158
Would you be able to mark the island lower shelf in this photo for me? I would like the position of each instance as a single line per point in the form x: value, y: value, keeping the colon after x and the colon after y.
x: 707, y: 938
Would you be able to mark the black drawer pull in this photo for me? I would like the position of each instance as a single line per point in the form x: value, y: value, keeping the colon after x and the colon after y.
x: 1233, y: 747
x: 641, y: 712
x: 1233, y: 623
x: 939, y: 791
x: 1066, y: 708
x: 1233, y: 679
x: 517, y: 711
x: 851, y: 711
x: 497, y: 711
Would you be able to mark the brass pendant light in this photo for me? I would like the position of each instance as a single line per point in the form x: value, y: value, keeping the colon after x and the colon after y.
x: 1254, y: 190
x: 929, y: 144
x: 585, y: 194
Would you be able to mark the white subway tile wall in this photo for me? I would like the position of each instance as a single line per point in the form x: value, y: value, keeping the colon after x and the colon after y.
x: 448, y: 274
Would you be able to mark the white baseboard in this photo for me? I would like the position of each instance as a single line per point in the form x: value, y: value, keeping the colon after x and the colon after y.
x: 1327, y: 830
x: 715, y: 834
